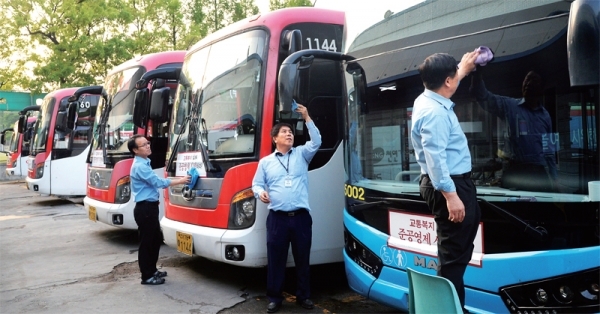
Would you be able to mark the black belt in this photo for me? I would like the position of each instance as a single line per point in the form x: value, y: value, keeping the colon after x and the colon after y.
x: 147, y: 202
x: 466, y: 175
x: 290, y: 213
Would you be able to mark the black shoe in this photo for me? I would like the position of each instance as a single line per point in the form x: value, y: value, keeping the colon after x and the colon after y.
x: 273, y: 307
x: 153, y: 281
x: 160, y: 274
x: 306, y: 303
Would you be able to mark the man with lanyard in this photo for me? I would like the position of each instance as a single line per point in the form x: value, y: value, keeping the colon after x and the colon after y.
x: 281, y: 180
x: 144, y: 186
x: 442, y: 151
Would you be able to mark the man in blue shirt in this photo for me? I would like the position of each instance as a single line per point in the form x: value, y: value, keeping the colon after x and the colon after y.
x: 442, y: 151
x: 281, y: 180
x: 528, y: 153
x: 144, y: 186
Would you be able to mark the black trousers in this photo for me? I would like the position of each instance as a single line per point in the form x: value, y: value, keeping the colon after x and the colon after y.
x: 282, y: 229
x: 146, y: 217
x: 455, y: 240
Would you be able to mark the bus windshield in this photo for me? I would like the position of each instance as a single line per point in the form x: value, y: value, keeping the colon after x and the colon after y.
x: 120, y: 88
x: 12, y: 141
x: 42, y: 125
x: 218, y: 97
x: 547, y: 152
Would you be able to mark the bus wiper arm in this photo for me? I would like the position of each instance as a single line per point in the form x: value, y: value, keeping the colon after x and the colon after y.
x: 357, y: 207
x: 173, y: 152
x: 102, y: 130
x: 381, y: 201
x: 207, y: 164
x: 538, y: 233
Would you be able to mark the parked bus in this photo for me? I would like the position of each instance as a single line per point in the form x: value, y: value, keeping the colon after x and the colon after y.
x: 108, y: 197
x: 538, y: 246
x: 226, y: 104
x: 56, y: 163
x: 16, y: 145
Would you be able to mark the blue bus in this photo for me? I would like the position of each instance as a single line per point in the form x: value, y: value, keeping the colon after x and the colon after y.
x: 538, y: 245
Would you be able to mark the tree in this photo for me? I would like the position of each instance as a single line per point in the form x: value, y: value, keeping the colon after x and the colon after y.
x: 242, y: 9
x: 280, y: 4
x: 57, y: 38
x: 8, y: 119
x: 63, y: 43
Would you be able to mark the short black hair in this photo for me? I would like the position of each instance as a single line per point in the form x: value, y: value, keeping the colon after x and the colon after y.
x: 436, y: 68
x: 277, y: 127
x: 131, y: 142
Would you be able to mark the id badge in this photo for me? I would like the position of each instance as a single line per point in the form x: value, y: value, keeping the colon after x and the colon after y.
x: 287, y: 182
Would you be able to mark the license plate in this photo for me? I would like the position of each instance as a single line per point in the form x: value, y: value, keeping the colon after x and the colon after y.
x: 92, y: 213
x: 185, y: 243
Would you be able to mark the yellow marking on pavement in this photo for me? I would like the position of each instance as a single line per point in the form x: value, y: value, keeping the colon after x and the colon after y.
x: 2, y: 218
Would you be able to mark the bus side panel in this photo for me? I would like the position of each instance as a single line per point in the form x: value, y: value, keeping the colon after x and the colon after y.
x: 68, y: 175
x: 327, y: 210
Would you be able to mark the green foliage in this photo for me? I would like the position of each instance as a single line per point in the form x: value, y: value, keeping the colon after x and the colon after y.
x: 50, y: 44
x: 8, y: 119
x: 280, y: 4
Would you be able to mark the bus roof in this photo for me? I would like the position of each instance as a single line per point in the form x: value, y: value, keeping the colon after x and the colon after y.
x: 63, y: 92
x: 151, y: 60
x: 275, y: 20
x: 395, y: 47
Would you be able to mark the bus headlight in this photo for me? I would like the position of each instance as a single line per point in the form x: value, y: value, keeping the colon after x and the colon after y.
x: 123, y: 191
x: 542, y: 296
x: 242, y: 211
x: 571, y: 293
x: 361, y: 255
x: 39, y: 170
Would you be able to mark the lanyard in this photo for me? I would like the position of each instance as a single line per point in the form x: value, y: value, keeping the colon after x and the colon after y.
x: 288, y: 162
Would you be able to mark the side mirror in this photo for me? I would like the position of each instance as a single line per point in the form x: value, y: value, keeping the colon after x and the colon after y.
x: 583, y: 42
x: 140, y: 108
x: 2, y: 137
x: 92, y: 90
x: 71, y: 115
x: 27, y: 134
x: 301, y: 92
x: 294, y: 82
x: 159, y: 105
x: 61, y: 121
x: 291, y: 41
x: 21, y: 123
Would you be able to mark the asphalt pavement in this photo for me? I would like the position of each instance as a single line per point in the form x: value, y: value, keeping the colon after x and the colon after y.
x: 55, y: 260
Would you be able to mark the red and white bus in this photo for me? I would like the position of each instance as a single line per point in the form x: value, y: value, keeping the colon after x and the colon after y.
x: 108, y: 197
x: 56, y: 163
x: 226, y: 104
x: 16, y: 144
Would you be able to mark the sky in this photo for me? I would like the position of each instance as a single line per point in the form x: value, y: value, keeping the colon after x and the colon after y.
x: 360, y: 14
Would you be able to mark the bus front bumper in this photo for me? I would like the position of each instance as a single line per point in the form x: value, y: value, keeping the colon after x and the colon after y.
x: 217, y: 244
x: 116, y: 215
x: 41, y: 185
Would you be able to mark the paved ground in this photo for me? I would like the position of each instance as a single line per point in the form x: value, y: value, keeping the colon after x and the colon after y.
x: 55, y: 260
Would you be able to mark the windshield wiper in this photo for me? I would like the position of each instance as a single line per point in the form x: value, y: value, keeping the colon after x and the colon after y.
x: 176, y: 145
x: 539, y: 233
x: 207, y: 164
x: 379, y: 201
x: 356, y: 207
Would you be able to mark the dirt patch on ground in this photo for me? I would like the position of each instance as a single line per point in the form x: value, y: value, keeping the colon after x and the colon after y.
x: 129, y: 269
